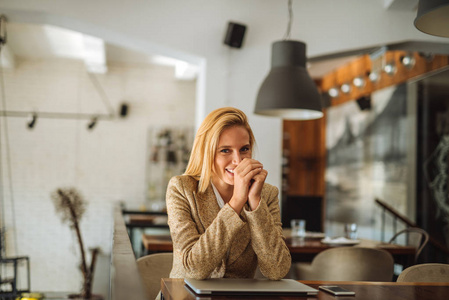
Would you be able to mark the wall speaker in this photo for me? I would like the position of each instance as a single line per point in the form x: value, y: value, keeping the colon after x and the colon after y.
x: 123, y: 110
x: 364, y: 103
x: 234, y: 35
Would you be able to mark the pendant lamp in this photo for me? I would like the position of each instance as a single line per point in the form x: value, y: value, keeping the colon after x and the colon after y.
x: 288, y: 91
x: 433, y: 17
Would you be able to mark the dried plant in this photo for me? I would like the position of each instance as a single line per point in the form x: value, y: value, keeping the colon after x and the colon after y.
x: 70, y: 204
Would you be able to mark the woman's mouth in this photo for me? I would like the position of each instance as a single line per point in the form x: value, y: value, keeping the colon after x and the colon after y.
x: 230, y: 171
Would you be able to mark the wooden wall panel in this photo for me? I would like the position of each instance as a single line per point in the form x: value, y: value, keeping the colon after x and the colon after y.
x: 363, y: 65
x: 305, y: 151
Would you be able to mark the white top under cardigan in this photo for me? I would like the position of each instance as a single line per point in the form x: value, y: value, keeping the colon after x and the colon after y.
x: 220, y: 200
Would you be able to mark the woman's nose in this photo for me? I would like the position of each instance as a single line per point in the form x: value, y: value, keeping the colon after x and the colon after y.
x: 236, y: 158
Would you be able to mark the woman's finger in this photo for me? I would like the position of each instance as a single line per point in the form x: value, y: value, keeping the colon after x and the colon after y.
x: 246, y: 166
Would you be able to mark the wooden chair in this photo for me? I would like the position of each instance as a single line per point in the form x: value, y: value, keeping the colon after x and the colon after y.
x: 152, y: 268
x: 348, y: 264
x: 425, y: 273
x: 414, y: 236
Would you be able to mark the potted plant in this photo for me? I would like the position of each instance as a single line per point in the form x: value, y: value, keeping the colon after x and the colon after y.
x: 71, y: 206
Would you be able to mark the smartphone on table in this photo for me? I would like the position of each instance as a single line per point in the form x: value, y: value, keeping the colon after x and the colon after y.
x: 336, y: 290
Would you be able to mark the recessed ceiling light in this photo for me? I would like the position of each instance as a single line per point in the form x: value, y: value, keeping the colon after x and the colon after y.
x: 346, y: 88
x: 390, y: 68
x: 408, y: 61
x: 374, y: 76
x: 333, y: 92
x: 359, y: 82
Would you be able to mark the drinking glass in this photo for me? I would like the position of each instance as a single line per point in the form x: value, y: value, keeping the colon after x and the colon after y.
x: 298, y: 228
x: 351, y: 231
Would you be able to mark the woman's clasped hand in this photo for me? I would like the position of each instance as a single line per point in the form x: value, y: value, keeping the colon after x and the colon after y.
x: 249, y: 177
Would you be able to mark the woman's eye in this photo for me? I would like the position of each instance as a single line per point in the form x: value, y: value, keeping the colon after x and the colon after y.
x: 244, y: 149
x: 224, y: 150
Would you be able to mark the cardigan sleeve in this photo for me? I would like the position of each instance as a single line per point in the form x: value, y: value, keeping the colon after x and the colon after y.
x: 267, y: 239
x: 201, y: 252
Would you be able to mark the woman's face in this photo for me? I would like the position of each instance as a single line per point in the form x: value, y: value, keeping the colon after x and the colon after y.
x: 233, y: 147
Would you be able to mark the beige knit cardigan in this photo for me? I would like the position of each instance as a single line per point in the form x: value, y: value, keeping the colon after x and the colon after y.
x: 209, y: 242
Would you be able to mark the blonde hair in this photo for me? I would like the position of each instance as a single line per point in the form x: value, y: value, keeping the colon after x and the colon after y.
x: 206, y: 140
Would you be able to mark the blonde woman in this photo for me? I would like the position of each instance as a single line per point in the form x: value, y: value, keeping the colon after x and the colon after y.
x: 224, y: 219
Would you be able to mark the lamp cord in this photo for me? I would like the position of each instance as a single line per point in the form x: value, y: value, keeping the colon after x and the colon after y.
x: 3, y: 222
x: 77, y: 130
x: 290, y: 20
x: 8, y: 161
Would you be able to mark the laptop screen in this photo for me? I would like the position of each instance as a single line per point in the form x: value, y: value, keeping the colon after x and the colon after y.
x: 232, y: 286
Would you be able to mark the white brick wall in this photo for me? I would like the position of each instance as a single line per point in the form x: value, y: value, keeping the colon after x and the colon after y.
x: 106, y: 164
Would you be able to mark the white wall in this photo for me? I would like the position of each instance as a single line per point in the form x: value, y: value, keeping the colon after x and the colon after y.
x: 107, y: 164
x: 194, y: 30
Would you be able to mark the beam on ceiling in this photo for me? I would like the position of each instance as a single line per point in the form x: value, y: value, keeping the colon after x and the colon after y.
x: 412, y: 46
x: 362, y: 66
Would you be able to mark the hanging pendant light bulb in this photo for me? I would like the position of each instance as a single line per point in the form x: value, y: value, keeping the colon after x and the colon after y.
x: 288, y: 91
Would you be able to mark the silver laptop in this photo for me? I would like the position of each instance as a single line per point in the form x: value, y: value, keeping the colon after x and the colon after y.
x: 231, y: 286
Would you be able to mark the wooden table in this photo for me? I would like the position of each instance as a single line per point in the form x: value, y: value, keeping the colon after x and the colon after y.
x: 301, y: 250
x: 156, y: 243
x: 174, y: 289
x: 136, y: 219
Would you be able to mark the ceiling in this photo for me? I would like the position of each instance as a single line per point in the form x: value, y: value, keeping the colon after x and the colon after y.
x: 46, y: 41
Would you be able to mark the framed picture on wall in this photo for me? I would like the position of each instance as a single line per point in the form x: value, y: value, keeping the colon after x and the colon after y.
x: 168, y: 153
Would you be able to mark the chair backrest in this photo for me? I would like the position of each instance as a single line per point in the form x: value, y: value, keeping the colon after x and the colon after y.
x: 353, y: 264
x: 152, y: 268
x: 425, y: 273
x: 415, y: 236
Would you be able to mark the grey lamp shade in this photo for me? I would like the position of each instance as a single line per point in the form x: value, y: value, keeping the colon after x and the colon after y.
x: 433, y: 17
x: 288, y: 91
